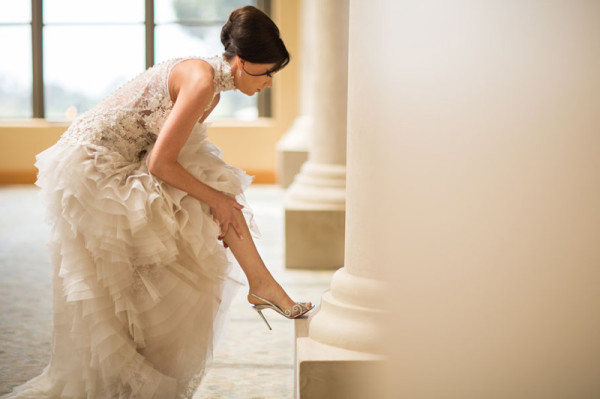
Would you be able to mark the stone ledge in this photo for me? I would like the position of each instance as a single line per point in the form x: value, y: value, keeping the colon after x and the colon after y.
x: 327, y: 372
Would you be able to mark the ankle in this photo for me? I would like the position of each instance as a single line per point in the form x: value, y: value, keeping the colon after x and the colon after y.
x: 271, y: 291
x: 266, y: 286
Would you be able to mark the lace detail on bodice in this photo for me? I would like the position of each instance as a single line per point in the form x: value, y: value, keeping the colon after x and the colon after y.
x: 130, y: 119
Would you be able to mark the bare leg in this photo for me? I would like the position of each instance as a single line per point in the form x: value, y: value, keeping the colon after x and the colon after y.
x: 259, y: 278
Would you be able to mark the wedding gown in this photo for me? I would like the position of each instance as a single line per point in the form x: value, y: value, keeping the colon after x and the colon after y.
x: 141, y: 282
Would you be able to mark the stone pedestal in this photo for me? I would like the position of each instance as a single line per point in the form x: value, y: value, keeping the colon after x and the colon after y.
x: 339, y: 348
x: 315, y: 238
x: 315, y: 218
x: 328, y: 372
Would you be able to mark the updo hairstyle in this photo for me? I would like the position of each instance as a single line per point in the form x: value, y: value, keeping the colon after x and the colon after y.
x: 253, y: 36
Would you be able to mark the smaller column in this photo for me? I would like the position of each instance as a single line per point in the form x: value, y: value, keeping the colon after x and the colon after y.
x: 315, y: 202
x: 293, y: 148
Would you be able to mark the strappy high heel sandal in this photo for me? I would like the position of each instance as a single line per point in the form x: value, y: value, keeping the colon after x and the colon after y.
x: 299, y: 309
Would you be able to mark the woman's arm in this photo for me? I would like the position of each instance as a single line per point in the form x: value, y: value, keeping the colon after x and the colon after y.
x: 191, y: 87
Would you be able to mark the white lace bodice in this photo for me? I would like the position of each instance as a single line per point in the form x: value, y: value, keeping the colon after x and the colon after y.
x: 130, y: 119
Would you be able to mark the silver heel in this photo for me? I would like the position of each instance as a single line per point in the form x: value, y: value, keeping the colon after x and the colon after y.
x: 298, y: 310
x: 263, y: 317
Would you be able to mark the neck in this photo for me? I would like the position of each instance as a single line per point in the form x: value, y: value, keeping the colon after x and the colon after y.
x: 235, y: 71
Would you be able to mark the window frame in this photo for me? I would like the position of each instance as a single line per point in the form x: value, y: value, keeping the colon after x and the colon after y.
x: 264, y: 99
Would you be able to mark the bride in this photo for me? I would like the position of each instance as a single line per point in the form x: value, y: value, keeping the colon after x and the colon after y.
x: 139, y: 201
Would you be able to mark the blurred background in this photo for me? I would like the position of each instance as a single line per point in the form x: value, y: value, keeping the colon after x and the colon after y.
x: 61, y: 57
x: 91, y: 48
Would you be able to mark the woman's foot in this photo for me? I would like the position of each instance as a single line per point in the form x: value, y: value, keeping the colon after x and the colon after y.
x: 276, y: 295
x: 297, y: 310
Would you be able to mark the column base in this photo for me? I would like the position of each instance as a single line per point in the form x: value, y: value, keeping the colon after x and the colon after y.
x: 314, y: 239
x: 327, y: 372
x: 350, y: 315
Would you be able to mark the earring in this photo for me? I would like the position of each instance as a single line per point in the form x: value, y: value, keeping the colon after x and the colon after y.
x: 240, y: 67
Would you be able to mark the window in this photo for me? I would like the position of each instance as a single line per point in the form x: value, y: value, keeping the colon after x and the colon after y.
x: 16, y: 66
x: 67, y: 55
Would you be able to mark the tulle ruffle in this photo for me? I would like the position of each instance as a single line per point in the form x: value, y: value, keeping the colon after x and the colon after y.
x: 141, y: 281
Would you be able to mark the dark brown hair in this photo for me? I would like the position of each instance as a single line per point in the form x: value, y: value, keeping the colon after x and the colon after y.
x: 253, y: 36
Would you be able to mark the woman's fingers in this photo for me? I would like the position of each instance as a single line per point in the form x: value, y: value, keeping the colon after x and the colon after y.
x: 224, y: 219
x: 224, y: 229
x: 237, y: 229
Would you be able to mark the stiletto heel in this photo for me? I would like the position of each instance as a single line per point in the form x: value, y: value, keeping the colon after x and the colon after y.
x: 263, y: 317
x: 299, y: 309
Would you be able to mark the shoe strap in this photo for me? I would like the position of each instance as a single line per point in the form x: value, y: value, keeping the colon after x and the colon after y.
x: 264, y: 300
x: 297, y: 308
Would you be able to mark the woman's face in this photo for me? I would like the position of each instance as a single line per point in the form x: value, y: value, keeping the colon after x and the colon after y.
x: 253, y: 78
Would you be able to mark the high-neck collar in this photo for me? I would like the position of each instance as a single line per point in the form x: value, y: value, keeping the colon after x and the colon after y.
x: 223, y: 77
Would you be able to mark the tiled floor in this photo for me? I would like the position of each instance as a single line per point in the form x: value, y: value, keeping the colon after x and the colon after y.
x: 250, y: 363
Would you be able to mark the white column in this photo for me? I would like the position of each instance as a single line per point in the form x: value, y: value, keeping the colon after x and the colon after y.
x: 473, y: 189
x: 473, y: 159
x: 315, y: 202
x: 497, y: 122
x: 292, y: 149
x: 339, y: 348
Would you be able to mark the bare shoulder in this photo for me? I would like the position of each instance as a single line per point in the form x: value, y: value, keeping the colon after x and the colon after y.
x: 194, y: 76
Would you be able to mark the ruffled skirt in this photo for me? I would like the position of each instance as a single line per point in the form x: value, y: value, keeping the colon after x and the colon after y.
x: 141, y: 282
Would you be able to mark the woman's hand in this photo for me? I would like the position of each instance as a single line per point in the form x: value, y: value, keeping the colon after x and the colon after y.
x: 222, y: 210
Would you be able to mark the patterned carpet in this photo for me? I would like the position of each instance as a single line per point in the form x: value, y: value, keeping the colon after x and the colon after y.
x: 250, y: 363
